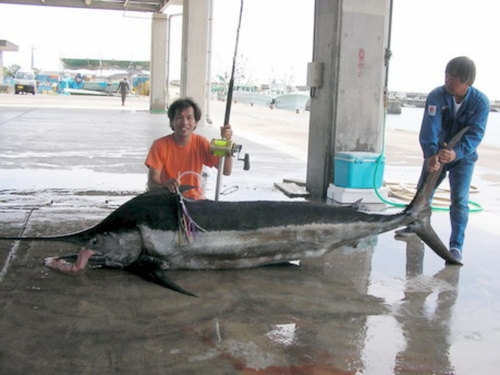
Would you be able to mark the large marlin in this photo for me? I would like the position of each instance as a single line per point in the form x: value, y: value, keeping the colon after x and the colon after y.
x: 158, y: 231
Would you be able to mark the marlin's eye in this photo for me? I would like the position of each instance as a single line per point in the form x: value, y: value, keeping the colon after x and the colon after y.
x: 94, y: 241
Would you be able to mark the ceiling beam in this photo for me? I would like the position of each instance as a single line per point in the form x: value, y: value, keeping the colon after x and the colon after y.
x: 150, y: 6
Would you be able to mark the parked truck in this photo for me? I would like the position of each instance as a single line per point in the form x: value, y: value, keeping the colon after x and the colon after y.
x: 24, y: 81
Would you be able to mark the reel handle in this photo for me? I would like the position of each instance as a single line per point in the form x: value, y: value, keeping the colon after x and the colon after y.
x: 224, y: 148
x: 246, y: 161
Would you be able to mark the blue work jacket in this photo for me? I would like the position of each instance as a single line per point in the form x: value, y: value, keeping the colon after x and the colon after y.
x: 439, y: 125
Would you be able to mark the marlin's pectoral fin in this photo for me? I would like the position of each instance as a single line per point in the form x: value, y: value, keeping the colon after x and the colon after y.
x: 424, y: 230
x: 149, y: 268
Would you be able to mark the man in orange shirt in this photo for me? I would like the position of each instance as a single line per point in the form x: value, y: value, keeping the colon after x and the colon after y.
x: 171, y: 158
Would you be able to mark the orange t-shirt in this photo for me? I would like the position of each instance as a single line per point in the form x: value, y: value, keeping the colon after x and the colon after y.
x: 173, y: 160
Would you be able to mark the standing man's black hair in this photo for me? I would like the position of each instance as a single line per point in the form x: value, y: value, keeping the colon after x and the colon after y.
x: 463, y: 68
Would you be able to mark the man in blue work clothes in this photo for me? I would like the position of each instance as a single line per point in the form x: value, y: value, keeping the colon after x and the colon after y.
x: 449, y: 109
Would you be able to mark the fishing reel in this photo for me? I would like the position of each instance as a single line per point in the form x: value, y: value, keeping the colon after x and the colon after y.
x: 223, y: 148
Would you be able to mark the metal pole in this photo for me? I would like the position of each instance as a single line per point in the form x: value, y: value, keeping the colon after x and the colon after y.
x: 208, y: 97
x: 229, y: 99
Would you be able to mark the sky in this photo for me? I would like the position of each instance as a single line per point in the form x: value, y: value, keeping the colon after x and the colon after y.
x: 275, y: 39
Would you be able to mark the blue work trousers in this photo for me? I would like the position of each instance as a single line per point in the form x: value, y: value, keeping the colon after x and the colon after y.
x: 460, y: 176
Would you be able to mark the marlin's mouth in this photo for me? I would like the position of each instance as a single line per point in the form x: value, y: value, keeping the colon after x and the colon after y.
x: 61, y: 264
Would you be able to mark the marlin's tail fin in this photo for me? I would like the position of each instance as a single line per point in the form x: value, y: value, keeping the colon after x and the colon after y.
x: 420, y: 209
x: 422, y: 227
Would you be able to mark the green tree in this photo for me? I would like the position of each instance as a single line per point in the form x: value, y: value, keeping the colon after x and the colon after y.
x: 11, y: 70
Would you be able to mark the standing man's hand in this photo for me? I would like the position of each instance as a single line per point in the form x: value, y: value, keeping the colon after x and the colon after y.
x: 446, y: 156
x: 433, y: 163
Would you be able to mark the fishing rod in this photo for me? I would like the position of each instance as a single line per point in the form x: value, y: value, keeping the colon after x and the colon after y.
x: 229, y: 98
x: 222, y: 147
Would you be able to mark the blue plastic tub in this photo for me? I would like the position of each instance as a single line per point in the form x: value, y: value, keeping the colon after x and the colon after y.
x: 356, y: 170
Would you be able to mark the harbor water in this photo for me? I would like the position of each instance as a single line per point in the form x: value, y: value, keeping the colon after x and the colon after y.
x: 411, y: 119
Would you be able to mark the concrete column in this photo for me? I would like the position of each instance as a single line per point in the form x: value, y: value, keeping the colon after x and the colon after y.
x: 1, y: 67
x: 195, y: 34
x: 350, y: 39
x: 158, y: 87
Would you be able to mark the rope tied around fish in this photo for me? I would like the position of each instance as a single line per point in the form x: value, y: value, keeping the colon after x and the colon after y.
x: 188, y: 228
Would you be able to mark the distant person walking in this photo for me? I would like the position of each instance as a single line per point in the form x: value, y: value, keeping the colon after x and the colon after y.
x: 123, y: 88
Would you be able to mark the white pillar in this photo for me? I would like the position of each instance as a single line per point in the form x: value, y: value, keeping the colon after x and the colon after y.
x: 194, y: 65
x: 1, y: 67
x: 158, y: 87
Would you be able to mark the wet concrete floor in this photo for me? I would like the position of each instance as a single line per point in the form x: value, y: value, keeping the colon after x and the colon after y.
x: 384, y: 307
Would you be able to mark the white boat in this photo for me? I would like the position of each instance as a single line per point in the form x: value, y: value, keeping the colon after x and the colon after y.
x: 292, y: 101
x: 250, y: 95
x: 274, y: 93
x: 69, y: 91
x: 101, y: 86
